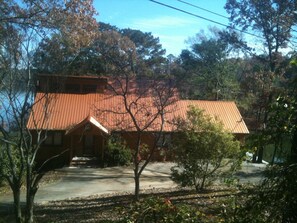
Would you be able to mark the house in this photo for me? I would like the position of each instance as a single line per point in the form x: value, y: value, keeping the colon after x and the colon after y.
x: 79, y: 113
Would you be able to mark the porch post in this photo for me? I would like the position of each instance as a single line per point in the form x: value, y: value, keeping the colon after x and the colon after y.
x: 71, y: 149
x: 102, y: 149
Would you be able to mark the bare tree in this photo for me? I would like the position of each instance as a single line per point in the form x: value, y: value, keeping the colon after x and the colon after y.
x: 142, y: 102
x: 23, y: 24
x: 143, y: 115
x: 18, y: 146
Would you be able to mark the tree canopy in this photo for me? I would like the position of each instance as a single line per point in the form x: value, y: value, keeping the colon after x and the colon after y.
x: 55, y: 56
x: 208, y: 69
x: 272, y: 20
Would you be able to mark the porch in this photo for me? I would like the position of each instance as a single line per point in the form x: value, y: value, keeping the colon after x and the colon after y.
x: 87, y: 142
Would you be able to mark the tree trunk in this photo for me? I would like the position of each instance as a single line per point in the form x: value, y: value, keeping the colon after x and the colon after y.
x: 260, y: 154
x: 203, y: 182
x: 274, y: 153
x: 293, y: 158
x: 137, y: 183
x: 30, y: 207
x: 29, y: 195
x: 254, y: 160
x: 17, y: 204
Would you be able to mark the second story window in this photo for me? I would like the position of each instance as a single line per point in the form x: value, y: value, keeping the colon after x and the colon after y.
x: 89, y: 88
x: 72, y: 88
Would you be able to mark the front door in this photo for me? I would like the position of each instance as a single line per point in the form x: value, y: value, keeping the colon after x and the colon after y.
x: 89, y: 145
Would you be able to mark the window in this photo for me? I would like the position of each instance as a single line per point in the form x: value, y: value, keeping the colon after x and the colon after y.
x: 53, y: 139
x: 72, y: 88
x: 164, y: 140
x: 89, y: 88
x: 53, y: 87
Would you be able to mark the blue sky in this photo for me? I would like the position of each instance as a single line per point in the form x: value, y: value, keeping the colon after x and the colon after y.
x: 171, y: 26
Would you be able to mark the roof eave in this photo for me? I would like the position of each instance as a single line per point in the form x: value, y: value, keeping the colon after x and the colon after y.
x: 91, y: 120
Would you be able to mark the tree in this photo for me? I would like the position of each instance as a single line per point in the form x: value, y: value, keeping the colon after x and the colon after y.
x: 208, y: 69
x: 256, y: 84
x: 22, y: 25
x: 149, y: 51
x: 55, y: 54
x: 204, y: 150
x: 144, y: 110
x: 18, y: 151
x: 274, y: 199
x: 272, y: 23
x: 281, y: 126
x: 74, y: 19
x: 50, y: 56
x: 142, y: 102
x: 272, y: 20
x: 293, y: 94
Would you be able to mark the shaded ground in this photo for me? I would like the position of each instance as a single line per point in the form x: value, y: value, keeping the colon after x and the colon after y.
x: 109, y: 207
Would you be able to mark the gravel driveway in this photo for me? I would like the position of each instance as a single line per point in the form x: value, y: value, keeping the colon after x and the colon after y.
x: 81, y: 182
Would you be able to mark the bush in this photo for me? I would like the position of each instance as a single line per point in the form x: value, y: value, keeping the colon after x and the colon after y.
x: 204, y: 150
x: 117, y: 152
x: 274, y: 200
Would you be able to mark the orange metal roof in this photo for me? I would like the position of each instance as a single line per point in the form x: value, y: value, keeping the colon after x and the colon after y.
x: 65, y: 111
x: 226, y: 111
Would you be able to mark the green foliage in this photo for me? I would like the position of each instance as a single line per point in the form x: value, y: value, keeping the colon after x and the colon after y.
x: 256, y: 15
x: 204, y: 150
x: 277, y: 136
x: 208, y: 69
x: 117, y: 152
x: 5, y: 169
x: 274, y: 200
x: 55, y: 54
x: 160, y: 210
x: 149, y: 51
x: 282, y: 115
x: 281, y: 124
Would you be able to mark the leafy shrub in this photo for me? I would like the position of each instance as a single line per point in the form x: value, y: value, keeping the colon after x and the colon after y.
x: 117, y: 153
x: 204, y: 150
x: 274, y: 200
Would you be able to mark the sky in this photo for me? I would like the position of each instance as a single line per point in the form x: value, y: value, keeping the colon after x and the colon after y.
x: 171, y: 26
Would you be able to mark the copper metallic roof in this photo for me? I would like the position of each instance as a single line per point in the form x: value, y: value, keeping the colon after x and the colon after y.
x: 65, y: 111
x: 226, y: 111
